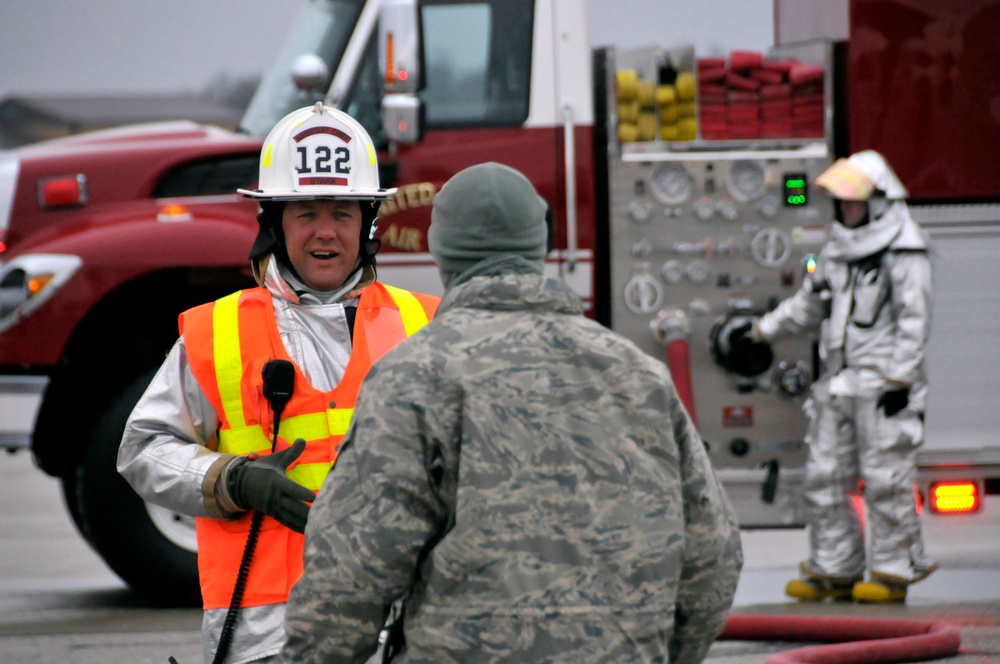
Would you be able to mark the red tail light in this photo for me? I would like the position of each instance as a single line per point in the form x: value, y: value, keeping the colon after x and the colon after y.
x: 955, y: 497
x: 62, y: 190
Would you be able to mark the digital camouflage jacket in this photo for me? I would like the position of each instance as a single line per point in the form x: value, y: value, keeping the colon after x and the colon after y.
x: 530, y: 485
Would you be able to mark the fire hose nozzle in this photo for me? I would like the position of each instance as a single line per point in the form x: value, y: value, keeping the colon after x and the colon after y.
x: 670, y: 325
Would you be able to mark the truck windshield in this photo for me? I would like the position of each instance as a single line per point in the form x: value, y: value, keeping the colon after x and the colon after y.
x: 323, y: 28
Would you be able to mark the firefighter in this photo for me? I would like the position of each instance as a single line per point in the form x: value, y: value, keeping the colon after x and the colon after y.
x: 243, y: 420
x: 871, y: 296
x: 533, y: 491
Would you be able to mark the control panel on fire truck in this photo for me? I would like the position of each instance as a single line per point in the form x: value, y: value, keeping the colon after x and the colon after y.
x: 706, y: 236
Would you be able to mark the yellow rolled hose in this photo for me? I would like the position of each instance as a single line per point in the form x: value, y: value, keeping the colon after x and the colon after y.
x: 628, y: 111
x: 685, y: 85
x: 687, y: 129
x: 646, y: 93
x: 628, y: 132
x: 647, y: 126
x: 627, y: 84
x: 666, y: 94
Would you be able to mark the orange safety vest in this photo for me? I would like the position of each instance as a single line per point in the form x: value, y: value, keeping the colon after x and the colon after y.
x: 228, y: 342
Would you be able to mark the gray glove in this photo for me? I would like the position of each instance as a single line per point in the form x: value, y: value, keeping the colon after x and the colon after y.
x: 261, y: 484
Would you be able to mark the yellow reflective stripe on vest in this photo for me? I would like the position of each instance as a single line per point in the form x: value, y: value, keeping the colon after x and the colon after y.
x: 243, y: 441
x: 338, y: 420
x: 228, y: 359
x: 314, y: 426
x: 307, y: 427
x: 309, y: 475
x: 413, y: 314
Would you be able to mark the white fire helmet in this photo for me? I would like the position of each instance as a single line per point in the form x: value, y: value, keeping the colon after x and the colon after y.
x: 318, y: 152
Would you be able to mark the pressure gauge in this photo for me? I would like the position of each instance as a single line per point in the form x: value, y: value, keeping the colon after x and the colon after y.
x: 768, y: 206
x: 671, y: 182
x: 641, y: 211
x: 727, y: 209
x: 697, y: 271
x: 672, y: 271
x: 704, y: 208
x: 746, y: 180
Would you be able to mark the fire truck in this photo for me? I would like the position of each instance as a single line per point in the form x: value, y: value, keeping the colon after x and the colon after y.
x: 681, y: 201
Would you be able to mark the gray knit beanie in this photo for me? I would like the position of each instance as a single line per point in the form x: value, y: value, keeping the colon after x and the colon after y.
x: 483, y: 211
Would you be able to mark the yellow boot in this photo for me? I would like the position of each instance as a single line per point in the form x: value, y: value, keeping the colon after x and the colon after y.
x: 878, y: 592
x: 813, y: 589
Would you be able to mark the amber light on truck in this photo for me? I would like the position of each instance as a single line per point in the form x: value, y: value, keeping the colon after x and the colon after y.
x: 174, y: 212
x: 28, y: 281
x: 62, y: 190
x: 954, y: 497
x: 390, y: 70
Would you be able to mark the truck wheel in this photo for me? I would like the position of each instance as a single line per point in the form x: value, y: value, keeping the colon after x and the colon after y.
x: 152, y: 549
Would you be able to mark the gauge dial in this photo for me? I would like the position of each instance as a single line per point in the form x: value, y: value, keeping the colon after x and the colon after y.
x: 768, y: 206
x: 672, y: 271
x: 671, y: 182
x: 697, y: 271
x: 704, y: 208
x: 746, y: 180
x: 728, y: 209
x: 641, y: 211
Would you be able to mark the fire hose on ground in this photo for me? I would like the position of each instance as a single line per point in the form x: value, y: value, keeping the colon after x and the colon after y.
x: 847, y: 640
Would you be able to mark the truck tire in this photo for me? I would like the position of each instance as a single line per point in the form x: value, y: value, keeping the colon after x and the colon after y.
x: 150, y: 548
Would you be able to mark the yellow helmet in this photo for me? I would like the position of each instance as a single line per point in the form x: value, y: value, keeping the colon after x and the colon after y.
x: 859, y: 176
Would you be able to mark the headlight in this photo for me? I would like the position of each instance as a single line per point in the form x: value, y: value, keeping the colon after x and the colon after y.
x: 28, y: 281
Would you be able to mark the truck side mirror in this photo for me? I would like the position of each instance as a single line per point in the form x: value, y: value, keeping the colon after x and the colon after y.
x: 402, y: 120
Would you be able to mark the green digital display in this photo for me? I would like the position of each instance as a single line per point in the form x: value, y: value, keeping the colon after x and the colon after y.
x: 796, y: 190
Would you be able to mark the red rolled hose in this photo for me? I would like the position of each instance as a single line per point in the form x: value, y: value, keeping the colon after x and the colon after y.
x: 849, y: 640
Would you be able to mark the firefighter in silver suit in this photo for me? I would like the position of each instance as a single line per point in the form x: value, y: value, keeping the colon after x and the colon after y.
x: 870, y: 295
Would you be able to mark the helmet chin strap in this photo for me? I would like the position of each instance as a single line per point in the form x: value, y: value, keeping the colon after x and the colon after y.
x: 370, y: 244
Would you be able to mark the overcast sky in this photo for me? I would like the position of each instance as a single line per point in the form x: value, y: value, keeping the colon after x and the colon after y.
x: 145, y: 46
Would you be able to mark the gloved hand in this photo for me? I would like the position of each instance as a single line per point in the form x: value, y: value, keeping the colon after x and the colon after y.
x: 893, y: 401
x: 261, y: 484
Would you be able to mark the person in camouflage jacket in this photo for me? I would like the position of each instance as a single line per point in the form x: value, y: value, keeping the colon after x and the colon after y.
x: 525, y: 481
